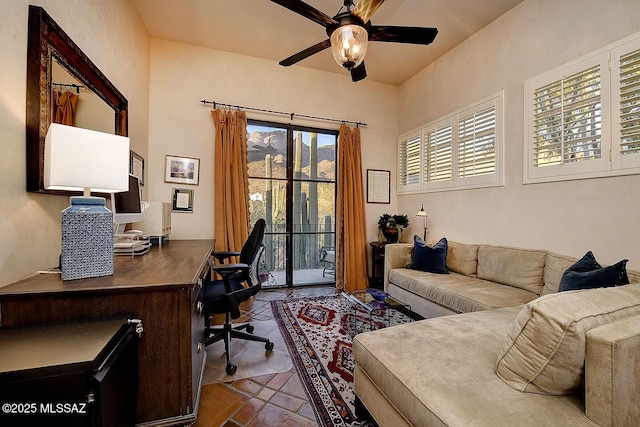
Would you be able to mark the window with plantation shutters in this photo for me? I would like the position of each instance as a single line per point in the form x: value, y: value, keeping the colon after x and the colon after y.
x: 583, y: 119
x: 566, y: 128
x: 462, y: 150
x: 568, y: 119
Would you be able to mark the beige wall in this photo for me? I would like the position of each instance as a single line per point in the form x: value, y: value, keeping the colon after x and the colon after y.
x: 182, y: 75
x: 567, y: 217
x: 112, y: 35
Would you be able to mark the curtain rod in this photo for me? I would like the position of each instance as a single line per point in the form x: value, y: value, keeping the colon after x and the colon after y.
x: 71, y: 85
x: 291, y: 115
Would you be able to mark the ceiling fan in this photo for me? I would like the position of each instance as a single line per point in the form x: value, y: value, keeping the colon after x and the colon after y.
x: 349, y: 32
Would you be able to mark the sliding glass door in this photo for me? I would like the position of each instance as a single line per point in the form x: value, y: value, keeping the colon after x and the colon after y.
x: 292, y: 185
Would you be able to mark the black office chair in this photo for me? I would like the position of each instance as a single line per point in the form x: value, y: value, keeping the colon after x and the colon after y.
x: 225, y: 296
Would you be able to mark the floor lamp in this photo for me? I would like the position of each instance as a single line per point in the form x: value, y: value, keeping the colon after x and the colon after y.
x: 424, y: 216
x: 79, y: 159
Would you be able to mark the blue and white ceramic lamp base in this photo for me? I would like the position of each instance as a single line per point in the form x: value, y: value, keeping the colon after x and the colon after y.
x: 87, y: 239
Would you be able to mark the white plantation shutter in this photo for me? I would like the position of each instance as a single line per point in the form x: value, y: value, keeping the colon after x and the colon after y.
x: 630, y: 103
x: 476, y: 143
x: 409, y: 163
x: 626, y: 105
x: 438, y: 153
x: 547, y: 126
x: 582, y: 116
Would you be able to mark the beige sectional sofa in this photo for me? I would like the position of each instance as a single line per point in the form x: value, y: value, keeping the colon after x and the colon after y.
x: 516, y: 352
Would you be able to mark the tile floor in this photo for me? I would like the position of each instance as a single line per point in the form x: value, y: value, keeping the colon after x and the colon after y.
x: 266, y: 400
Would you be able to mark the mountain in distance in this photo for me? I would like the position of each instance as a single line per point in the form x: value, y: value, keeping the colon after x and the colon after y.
x: 275, y: 143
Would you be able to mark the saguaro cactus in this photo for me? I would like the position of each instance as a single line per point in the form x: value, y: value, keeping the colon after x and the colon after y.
x: 328, y: 237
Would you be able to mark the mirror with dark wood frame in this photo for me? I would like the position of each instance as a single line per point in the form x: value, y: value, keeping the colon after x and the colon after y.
x: 52, y: 55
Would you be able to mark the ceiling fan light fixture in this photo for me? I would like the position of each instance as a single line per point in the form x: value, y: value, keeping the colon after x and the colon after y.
x: 349, y: 45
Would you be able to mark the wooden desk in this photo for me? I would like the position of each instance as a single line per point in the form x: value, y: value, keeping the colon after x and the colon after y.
x: 164, y: 289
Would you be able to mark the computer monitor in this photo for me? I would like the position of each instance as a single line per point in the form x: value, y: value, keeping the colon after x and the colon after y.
x: 127, y: 207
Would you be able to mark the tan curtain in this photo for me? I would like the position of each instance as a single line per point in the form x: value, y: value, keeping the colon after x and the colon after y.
x: 64, y: 107
x: 231, y: 182
x: 351, y: 266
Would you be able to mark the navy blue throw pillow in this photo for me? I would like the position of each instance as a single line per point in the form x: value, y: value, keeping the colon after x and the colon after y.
x: 430, y: 259
x: 586, y: 273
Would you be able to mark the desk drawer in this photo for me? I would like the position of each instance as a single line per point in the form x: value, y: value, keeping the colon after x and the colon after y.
x: 197, y: 342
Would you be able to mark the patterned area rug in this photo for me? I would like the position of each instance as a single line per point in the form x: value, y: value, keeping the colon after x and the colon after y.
x: 317, y: 332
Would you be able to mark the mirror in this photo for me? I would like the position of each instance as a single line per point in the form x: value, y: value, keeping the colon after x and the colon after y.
x: 89, y: 111
x: 58, y: 74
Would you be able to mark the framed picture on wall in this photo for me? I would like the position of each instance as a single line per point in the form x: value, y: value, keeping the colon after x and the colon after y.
x: 136, y: 166
x: 182, y: 170
x: 182, y: 200
x: 378, y: 186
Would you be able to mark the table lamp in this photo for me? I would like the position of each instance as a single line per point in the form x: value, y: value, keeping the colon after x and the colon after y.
x: 86, y: 160
x: 424, y: 216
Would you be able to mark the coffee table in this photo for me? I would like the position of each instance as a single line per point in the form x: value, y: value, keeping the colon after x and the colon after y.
x: 367, y: 313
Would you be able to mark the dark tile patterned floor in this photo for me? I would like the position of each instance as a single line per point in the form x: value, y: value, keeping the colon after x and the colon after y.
x: 267, y: 400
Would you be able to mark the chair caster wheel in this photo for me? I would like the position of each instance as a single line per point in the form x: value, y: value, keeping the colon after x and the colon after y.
x: 250, y: 329
x: 268, y: 346
x: 231, y: 368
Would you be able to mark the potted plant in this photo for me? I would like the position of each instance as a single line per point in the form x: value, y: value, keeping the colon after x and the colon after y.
x: 392, y: 226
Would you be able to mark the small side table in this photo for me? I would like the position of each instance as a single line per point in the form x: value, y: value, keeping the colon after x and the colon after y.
x: 71, y: 374
x: 377, y: 264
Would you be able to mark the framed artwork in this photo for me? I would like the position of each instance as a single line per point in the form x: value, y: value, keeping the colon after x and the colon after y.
x: 182, y: 200
x: 136, y: 165
x: 378, y: 186
x: 182, y: 170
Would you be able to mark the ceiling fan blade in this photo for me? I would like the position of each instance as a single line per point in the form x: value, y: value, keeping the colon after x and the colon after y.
x: 358, y: 73
x: 318, y: 47
x: 413, y: 35
x: 366, y: 8
x: 309, y: 12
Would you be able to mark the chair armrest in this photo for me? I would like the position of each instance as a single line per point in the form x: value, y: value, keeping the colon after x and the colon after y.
x: 227, y: 269
x: 222, y: 255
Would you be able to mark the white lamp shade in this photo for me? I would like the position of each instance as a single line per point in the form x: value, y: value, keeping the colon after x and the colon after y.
x: 76, y: 158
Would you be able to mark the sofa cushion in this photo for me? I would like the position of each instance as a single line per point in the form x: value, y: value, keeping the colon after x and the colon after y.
x: 429, y: 258
x: 457, y: 292
x: 544, y: 351
x: 462, y: 258
x: 554, y: 267
x: 522, y: 268
x: 586, y: 273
